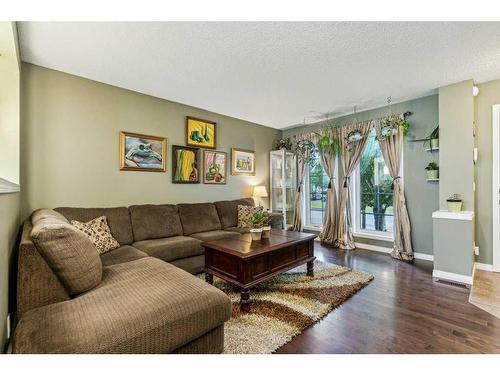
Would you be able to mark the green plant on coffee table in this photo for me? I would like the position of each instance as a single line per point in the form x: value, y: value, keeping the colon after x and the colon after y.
x: 257, y: 219
x: 432, y: 167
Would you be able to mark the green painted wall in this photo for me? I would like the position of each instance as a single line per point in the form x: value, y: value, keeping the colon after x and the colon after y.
x: 9, y: 228
x: 422, y: 196
x: 70, y: 145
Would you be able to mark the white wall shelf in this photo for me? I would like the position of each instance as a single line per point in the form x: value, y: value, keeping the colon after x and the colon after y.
x: 435, y: 149
x: 433, y: 180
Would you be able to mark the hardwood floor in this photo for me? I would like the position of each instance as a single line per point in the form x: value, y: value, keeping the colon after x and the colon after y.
x: 401, y: 311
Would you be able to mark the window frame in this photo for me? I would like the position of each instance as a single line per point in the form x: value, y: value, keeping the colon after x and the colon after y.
x: 306, y: 204
x: 355, y: 200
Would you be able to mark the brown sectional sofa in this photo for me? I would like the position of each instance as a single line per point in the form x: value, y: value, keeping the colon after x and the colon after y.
x: 148, y: 300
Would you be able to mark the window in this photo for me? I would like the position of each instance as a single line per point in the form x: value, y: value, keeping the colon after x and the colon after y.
x: 316, y: 186
x: 372, y: 194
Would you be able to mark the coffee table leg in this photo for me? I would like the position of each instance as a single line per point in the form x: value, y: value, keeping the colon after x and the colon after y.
x: 245, y: 296
x: 310, y: 268
x: 209, y: 278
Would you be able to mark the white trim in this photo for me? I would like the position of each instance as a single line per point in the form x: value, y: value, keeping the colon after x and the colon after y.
x: 445, y: 214
x: 374, y: 235
x: 495, y: 124
x: 380, y: 249
x: 443, y: 275
x: 8, y: 187
x: 424, y: 256
x: 484, y: 267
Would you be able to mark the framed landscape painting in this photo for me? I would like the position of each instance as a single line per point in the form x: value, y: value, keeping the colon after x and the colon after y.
x: 214, y: 167
x: 139, y: 152
x: 185, y: 165
x: 200, y: 133
x: 242, y: 162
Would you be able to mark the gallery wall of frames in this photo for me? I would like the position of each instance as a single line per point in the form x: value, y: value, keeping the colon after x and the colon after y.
x: 195, y: 162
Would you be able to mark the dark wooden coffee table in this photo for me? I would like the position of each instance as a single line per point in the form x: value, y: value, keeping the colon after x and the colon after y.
x: 246, y: 263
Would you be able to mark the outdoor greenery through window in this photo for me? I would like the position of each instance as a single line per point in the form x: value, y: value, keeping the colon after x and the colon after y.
x: 317, y: 190
x: 373, y: 185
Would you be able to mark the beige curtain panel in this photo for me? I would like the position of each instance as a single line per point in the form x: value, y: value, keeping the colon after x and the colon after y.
x: 392, y: 148
x: 297, y: 202
x: 350, y: 156
x: 329, y: 232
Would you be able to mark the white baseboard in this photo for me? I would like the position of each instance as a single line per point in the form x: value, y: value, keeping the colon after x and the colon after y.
x: 388, y: 250
x: 380, y: 249
x: 424, y: 256
x: 443, y: 275
x: 484, y: 266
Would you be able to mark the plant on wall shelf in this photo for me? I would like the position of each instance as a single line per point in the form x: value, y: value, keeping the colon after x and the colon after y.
x: 454, y: 203
x: 433, y: 139
x: 432, y: 171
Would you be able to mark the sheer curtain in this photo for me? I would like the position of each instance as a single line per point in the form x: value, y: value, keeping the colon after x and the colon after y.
x: 350, y: 155
x: 392, y: 148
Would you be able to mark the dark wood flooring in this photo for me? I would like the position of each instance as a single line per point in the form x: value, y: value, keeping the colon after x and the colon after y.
x: 401, y: 311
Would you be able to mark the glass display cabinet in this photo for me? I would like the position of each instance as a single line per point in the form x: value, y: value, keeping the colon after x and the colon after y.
x: 283, y: 177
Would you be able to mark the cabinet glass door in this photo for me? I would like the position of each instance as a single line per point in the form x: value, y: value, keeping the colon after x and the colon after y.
x: 277, y: 182
x: 290, y: 186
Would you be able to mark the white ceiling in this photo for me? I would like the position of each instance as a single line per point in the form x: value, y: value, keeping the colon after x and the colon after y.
x: 275, y: 74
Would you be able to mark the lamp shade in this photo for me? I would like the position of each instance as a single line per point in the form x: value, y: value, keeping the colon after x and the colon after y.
x: 259, y: 191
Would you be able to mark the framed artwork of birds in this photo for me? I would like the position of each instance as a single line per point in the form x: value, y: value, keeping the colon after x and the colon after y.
x: 139, y: 152
x: 200, y: 133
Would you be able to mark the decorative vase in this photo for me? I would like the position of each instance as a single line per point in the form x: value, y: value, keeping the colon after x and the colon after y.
x: 432, y: 174
x: 434, y: 143
x: 454, y: 206
x: 266, y: 231
x: 256, y: 234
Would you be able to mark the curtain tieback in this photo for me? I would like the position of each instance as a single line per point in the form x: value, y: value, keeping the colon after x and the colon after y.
x: 393, y: 180
x: 346, y: 181
x: 330, y: 182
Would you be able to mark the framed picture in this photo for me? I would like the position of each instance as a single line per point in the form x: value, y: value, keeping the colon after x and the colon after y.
x: 185, y: 165
x: 242, y: 162
x: 200, y: 133
x: 139, y: 152
x: 214, y: 167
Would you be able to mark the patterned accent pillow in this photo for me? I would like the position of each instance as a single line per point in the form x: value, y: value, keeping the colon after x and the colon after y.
x: 244, y: 213
x: 99, y: 233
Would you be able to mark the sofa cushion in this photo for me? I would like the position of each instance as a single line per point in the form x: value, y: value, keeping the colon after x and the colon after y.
x: 192, y: 265
x: 150, y: 221
x: 198, y: 217
x: 43, y: 213
x: 68, y: 252
x: 171, y: 248
x: 143, y: 306
x: 228, y: 211
x: 238, y: 229
x: 123, y: 254
x: 97, y: 230
x: 118, y: 220
x: 215, y: 235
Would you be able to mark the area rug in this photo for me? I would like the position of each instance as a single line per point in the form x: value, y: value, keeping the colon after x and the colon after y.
x: 285, y: 305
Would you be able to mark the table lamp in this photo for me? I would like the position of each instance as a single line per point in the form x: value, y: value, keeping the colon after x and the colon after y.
x: 259, y: 192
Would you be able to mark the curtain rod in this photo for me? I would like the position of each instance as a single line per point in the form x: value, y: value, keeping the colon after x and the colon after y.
x: 404, y: 114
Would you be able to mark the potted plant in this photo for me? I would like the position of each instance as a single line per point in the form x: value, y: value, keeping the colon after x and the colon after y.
x: 432, y: 171
x: 454, y: 203
x: 283, y: 144
x: 255, y: 221
x: 433, y: 139
x: 266, y: 228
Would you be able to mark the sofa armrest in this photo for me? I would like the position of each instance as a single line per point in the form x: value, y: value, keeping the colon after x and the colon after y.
x: 276, y: 220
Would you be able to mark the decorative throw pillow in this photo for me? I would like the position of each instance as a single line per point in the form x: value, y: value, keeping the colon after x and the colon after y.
x: 67, y: 251
x: 244, y: 213
x: 99, y: 233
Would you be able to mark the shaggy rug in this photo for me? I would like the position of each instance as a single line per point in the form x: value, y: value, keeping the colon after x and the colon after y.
x: 285, y: 305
